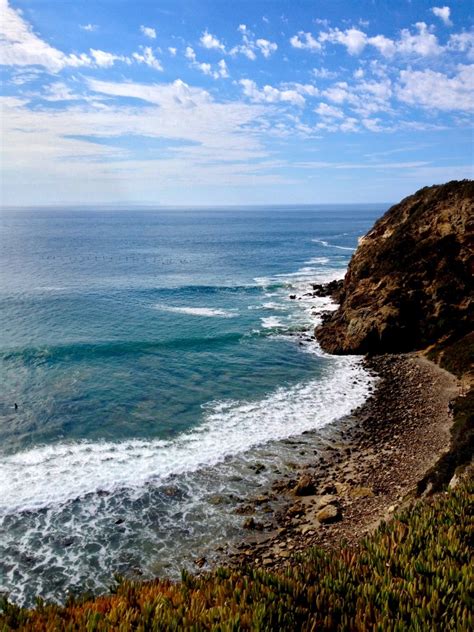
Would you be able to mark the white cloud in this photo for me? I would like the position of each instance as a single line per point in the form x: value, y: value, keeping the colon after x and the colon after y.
x: 172, y: 51
x: 384, y: 45
x: 349, y: 125
x: 329, y: 111
x: 305, y: 41
x: 250, y: 46
x: 358, y: 74
x: 324, y: 73
x: 219, y: 145
x: 339, y: 92
x: 190, y: 54
x: 269, y: 94
x: 353, y: 39
x: 337, y: 123
x: 223, y: 70
x: 373, y: 125
x: 220, y: 73
x: 217, y: 130
x: 378, y: 90
x: 443, y: 13
x: 178, y: 92
x: 88, y: 27
x: 364, y: 97
x: 59, y: 91
x: 247, y: 48
x: 25, y: 75
x: 20, y: 46
x: 322, y: 22
x: 266, y: 47
x: 204, y: 67
x: 210, y: 41
x: 244, y: 49
x: 436, y: 91
x: 462, y: 43
x: 148, y: 31
x: 307, y: 89
x: 423, y: 43
x: 103, y: 59
x: 148, y: 58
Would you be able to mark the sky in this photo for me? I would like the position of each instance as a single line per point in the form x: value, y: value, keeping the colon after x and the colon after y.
x: 210, y: 102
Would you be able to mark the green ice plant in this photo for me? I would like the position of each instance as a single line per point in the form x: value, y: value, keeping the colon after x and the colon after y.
x: 413, y: 573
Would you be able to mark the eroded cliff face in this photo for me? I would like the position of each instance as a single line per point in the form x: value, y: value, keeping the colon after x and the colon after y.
x: 409, y: 283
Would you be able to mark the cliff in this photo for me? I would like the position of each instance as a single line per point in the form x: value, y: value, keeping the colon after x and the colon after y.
x: 409, y: 283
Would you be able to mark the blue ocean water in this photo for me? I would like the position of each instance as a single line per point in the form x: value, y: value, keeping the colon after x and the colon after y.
x: 153, y: 355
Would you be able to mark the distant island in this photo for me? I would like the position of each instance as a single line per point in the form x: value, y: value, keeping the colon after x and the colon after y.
x: 363, y: 538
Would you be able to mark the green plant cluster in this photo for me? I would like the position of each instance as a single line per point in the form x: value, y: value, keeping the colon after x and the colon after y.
x: 413, y: 573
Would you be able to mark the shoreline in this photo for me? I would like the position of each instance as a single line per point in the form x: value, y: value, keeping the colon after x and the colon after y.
x: 371, y: 468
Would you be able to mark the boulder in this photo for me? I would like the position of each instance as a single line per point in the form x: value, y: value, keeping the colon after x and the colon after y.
x: 252, y: 524
x: 304, y: 486
x: 361, y: 492
x: 328, y: 514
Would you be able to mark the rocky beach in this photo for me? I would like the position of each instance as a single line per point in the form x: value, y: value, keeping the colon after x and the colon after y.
x: 373, y: 462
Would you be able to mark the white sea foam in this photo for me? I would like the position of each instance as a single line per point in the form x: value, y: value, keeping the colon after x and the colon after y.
x: 271, y: 322
x: 323, y: 242
x: 322, y: 261
x: 269, y: 306
x: 197, y: 311
x: 306, y: 271
x: 53, y: 474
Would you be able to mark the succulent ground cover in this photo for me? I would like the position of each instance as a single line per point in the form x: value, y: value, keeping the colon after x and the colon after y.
x: 413, y: 573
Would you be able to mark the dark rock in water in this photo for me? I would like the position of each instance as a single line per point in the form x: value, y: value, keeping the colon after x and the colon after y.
x: 292, y: 296
x: 304, y: 486
x: 217, y: 499
x: 171, y: 491
x: 332, y: 289
x: 244, y: 509
x: 326, y: 317
x: 257, y: 467
x: 200, y: 561
x: 408, y: 284
x: 252, y: 524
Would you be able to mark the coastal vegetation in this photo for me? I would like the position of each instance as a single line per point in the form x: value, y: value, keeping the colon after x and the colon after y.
x: 413, y: 573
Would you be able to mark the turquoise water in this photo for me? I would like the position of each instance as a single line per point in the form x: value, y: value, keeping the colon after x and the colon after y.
x: 153, y: 348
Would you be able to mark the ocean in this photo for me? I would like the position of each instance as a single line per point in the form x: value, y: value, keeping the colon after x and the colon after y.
x: 155, y: 356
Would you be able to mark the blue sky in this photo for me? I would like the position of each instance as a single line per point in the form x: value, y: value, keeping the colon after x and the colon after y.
x: 248, y: 102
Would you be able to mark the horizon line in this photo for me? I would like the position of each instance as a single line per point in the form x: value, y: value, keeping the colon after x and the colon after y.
x: 153, y: 206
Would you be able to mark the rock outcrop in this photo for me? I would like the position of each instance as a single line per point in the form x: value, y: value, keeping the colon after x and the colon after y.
x: 409, y: 283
